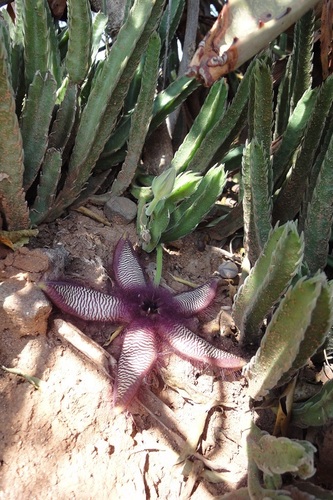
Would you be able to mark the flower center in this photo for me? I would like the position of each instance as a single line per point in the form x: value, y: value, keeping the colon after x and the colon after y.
x: 149, y: 307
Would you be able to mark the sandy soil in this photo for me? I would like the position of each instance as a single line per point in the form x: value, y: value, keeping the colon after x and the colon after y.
x: 183, y: 436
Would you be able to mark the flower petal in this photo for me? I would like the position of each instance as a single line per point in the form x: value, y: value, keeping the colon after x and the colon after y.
x: 85, y: 303
x: 191, y: 346
x: 127, y: 271
x: 139, y: 353
x: 196, y: 300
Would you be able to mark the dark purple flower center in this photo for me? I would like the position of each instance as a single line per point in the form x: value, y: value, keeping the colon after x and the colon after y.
x: 149, y: 307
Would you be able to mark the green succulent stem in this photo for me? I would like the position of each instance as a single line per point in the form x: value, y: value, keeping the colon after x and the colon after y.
x: 159, y: 265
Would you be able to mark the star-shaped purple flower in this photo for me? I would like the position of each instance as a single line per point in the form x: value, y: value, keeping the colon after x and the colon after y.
x: 152, y: 317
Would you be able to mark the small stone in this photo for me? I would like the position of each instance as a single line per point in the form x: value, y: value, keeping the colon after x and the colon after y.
x: 23, y: 308
x: 120, y: 209
x: 228, y: 270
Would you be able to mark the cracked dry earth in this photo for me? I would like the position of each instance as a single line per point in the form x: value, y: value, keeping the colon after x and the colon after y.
x: 184, y: 434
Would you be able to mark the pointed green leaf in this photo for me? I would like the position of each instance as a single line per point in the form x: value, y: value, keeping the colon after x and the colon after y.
x: 36, y: 38
x: 35, y: 123
x: 54, y: 59
x: 13, y: 206
x: 191, y: 211
x: 141, y: 117
x: 170, y: 20
x: 65, y: 119
x: 185, y: 184
x: 222, y: 129
x: 278, y: 455
x: 257, y: 197
x: 301, y: 78
x: 98, y: 28
x: 169, y: 99
x: 314, y: 337
x: 316, y: 411
x: 294, y: 132
x: 260, y: 107
x: 278, y: 263
x: 105, y: 100
x: 47, y: 187
x: 210, y: 113
x: 282, y: 111
x: 251, y: 236
x: 280, y: 345
x: 289, y: 199
x: 78, y: 55
x: 318, y: 223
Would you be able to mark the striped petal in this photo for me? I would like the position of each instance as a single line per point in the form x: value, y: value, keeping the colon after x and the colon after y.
x: 196, y: 300
x: 138, y: 355
x: 85, y: 303
x: 126, y: 268
x: 191, y: 346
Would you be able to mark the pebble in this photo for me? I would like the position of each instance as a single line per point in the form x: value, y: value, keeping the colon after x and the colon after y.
x: 120, y: 209
x: 23, y: 308
x: 228, y: 270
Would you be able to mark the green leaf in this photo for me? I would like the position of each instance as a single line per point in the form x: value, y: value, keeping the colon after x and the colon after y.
x: 161, y: 188
x: 260, y: 107
x: 278, y: 263
x: 141, y: 117
x: 47, y: 186
x: 316, y: 333
x: 185, y: 184
x: 169, y: 99
x: 257, y: 198
x: 36, y: 38
x: 290, y: 196
x: 251, y: 237
x: 282, y: 111
x: 280, y: 345
x: 36, y: 382
x: 107, y: 79
x: 54, y: 60
x: 191, y: 211
x: 35, y: 123
x: 293, y: 134
x: 18, y: 26
x: 78, y: 57
x: 13, y: 206
x: 98, y: 28
x: 222, y: 129
x: 105, y: 100
x: 170, y: 20
x: 156, y: 226
x: 318, y: 223
x: 278, y: 455
x: 5, y: 37
x: 301, y: 72
x: 62, y: 126
x: 316, y: 411
x: 210, y: 113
